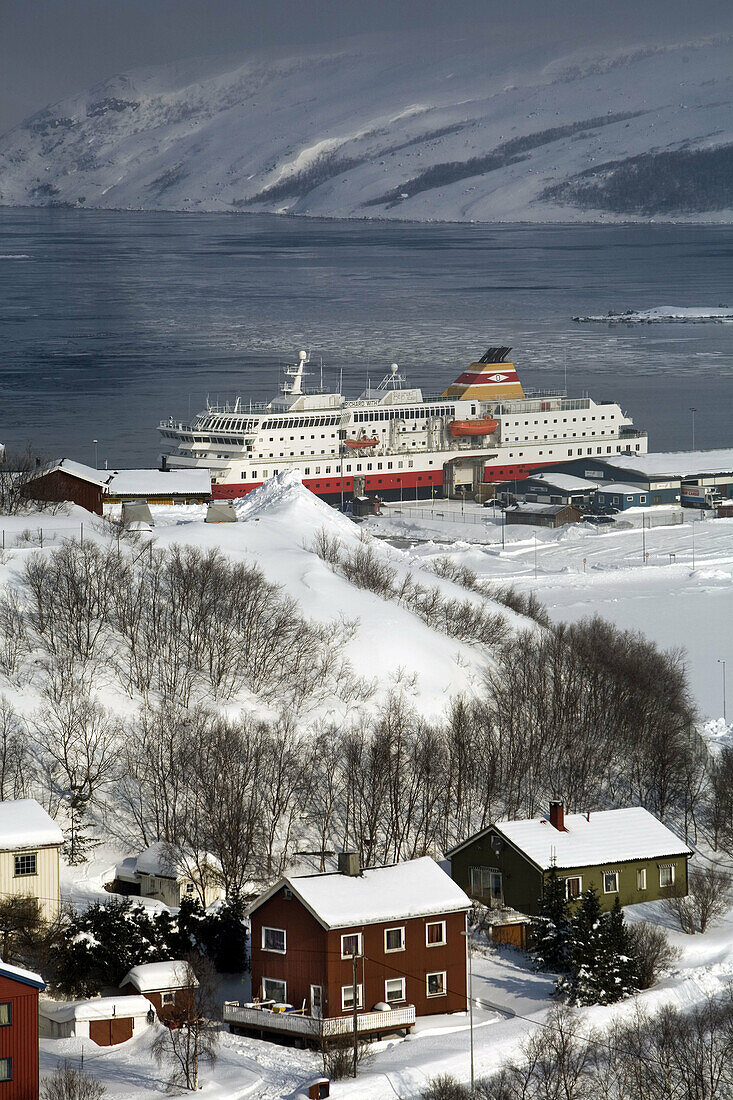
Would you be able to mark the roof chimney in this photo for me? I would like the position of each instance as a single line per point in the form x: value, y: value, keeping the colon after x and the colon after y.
x: 349, y: 864
x: 557, y: 816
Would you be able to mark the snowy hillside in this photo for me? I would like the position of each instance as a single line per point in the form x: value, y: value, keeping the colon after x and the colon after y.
x: 386, y: 130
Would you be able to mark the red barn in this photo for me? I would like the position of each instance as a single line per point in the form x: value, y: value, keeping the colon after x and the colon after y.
x: 19, y: 991
x: 404, y: 923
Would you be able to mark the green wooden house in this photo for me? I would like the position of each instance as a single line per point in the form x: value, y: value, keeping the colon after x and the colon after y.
x: 626, y: 854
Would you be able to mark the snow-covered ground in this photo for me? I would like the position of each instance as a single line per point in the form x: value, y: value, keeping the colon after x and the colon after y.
x: 371, y: 129
x: 576, y: 571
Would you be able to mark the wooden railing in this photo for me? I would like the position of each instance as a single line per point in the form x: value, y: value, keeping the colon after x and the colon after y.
x: 296, y: 1024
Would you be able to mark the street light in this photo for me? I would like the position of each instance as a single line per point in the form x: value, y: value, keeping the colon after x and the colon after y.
x: 693, y: 411
x: 96, y: 454
x: 467, y: 934
x: 725, y: 716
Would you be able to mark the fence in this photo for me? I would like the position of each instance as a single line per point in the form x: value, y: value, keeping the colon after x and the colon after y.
x: 39, y: 536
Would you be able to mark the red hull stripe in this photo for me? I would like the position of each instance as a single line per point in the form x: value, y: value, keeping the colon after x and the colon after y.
x: 487, y: 378
x: 381, y: 482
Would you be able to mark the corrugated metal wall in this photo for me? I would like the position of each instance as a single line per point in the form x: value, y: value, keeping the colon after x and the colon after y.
x: 20, y: 1041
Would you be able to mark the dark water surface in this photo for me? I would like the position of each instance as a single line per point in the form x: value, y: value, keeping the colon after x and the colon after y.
x: 111, y: 321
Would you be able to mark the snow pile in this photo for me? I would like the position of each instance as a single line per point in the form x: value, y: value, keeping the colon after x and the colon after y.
x: 155, y: 977
x: 665, y: 315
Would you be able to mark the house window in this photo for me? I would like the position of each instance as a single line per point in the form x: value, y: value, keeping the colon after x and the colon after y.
x: 273, y: 939
x: 167, y: 998
x: 351, y: 945
x: 394, y: 990
x: 573, y: 887
x: 666, y: 875
x: 436, y: 984
x: 486, y: 882
x: 274, y: 989
x: 610, y: 882
x: 189, y: 888
x: 347, y: 997
x: 25, y: 864
x: 6, y: 1014
x: 6, y: 1069
x: 641, y: 879
x: 435, y: 933
x: 394, y: 939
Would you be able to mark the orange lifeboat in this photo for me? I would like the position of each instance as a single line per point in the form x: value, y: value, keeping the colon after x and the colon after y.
x: 357, y: 444
x: 460, y: 428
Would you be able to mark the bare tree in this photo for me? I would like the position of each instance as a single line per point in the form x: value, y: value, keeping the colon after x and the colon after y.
x: 653, y: 953
x: 68, y: 1083
x: 191, y: 1040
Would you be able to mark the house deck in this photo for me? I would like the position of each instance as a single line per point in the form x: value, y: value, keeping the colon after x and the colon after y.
x: 311, y: 1029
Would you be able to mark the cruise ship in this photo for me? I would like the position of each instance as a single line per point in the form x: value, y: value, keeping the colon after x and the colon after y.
x: 393, y: 440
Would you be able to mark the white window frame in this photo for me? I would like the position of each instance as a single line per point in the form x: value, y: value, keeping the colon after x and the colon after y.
x: 641, y: 878
x: 390, y: 981
x: 348, y: 990
x: 350, y: 935
x: 666, y: 867
x: 391, y: 950
x: 438, y: 943
x: 17, y: 857
x: 568, y: 895
x: 266, y: 995
x: 616, y: 876
x: 275, y: 950
x: 435, y: 974
x: 167, y: 998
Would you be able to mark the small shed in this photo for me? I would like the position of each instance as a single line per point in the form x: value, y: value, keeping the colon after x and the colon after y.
x: 69, y: 480
x: 169, y: 876
x: 107, y: 1021
x: 542, y: 515
x: 508, y: 926
x: 622, y: 495
x: 165, y: 984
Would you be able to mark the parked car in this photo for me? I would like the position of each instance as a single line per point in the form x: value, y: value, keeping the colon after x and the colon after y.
x: 598, y: 521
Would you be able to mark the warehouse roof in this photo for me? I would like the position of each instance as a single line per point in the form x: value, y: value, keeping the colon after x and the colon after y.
x: 677, y: 463
x: 568, y: 482
x: 415, y: 888
x: 159, y: 483
x: 621, y: 487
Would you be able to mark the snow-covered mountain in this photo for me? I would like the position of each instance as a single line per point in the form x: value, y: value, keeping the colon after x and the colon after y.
x: 388, y: 130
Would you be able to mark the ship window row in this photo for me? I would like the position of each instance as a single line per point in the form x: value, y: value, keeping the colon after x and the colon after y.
x: 301, y: 422
x: 400, y: 414
x: 359, y: 467
x: 225, y: 425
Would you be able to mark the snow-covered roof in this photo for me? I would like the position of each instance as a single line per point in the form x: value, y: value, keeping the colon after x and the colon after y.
x: 567, y: 482
x: 677, y: 463
x: 537, y: 508
x: 160, y: 859
x: 159, y: 482
x: 25, y: 824
x: 416, y: 888
x: 78, y: 469
x: 621, y: 487
x: 154, y: 977
x: 608, y: 837
x: 98, y: 1008
x: 18, y: 974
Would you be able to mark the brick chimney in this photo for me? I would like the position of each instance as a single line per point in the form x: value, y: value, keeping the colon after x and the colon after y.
x: 557, y: 816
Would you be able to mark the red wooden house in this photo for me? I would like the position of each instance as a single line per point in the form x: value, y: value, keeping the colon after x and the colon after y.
x: 19, y: 1033
x: 404, y: 923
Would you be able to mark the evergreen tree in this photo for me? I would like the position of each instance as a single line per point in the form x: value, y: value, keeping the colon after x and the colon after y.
x: 552, y: 925
x: 601, y: 967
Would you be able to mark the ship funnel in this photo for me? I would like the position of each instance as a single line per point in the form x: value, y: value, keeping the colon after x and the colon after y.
x: 492, y: 378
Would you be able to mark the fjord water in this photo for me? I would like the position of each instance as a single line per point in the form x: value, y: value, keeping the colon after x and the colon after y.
x: 111, y: 321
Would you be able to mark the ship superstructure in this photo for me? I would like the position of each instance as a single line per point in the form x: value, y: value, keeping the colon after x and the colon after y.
x: 392, y: 440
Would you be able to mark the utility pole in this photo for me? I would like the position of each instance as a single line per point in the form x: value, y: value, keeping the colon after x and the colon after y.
x: 354, y: 990
x: 693, y: 543
x: 725, y: 716
x: 535, y: 557
x: 96, y: 453
x: 693, y: 411
x: 643, y: 540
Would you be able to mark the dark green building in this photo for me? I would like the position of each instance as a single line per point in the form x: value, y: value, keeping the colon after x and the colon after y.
x: 626, y: 854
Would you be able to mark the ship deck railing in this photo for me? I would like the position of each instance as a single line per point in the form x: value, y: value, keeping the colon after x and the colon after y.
x: 315, y: 1029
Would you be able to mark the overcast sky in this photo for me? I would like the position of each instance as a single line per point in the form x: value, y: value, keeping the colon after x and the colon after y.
x: 51, y: 48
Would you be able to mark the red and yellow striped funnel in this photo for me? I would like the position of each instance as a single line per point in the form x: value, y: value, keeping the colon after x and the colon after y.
x: 492, y: 378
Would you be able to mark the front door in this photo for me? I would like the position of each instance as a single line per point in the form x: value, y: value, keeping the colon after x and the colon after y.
x: 316, y: 1001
